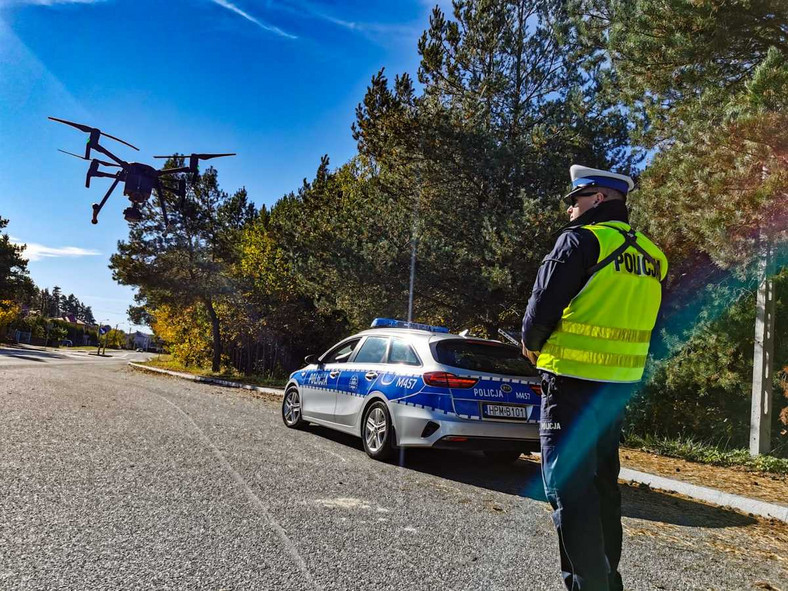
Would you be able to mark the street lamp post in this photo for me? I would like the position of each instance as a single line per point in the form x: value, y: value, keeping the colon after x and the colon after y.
x: 414, y: 237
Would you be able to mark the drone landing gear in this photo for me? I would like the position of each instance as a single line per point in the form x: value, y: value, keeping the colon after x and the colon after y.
x: 160, y: 193
x: 97, y: 206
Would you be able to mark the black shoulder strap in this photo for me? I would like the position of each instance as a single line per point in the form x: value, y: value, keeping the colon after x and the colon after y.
x: 630, y: 239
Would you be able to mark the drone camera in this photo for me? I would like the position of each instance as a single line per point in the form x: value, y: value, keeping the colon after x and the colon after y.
x: 138, y: 197
x: 132, y: 214
x: 138, y: 187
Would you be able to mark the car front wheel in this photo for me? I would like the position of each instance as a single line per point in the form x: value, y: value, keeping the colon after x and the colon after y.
x: 377, y: 432
x: 291, y: 410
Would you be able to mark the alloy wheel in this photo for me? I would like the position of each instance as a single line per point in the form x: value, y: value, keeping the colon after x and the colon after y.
x: 291, y: 408
x: 375, y: 430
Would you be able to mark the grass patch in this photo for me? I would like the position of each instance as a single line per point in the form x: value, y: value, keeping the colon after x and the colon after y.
x: 230, y: 374
x: 703, y: 452
x: 84, y: 348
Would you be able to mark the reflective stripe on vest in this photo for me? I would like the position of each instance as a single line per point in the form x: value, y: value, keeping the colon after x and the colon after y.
x: 605, y: 331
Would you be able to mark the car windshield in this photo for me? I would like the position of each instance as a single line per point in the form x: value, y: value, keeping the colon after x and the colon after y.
x: 483, y: 357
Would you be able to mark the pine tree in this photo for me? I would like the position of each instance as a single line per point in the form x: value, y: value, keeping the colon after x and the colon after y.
x: 189, y: 262
x: 670, y: 54
x: 54, y: 310
x: 15, y: 284
x: 507, y: 107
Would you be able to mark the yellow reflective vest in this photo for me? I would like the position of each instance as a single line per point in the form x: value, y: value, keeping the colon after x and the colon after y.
x: 605, y: 331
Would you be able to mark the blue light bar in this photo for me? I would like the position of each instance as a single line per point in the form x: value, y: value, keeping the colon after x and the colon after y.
x: 391, y: 323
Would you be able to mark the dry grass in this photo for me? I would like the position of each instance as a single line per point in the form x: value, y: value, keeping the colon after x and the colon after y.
x: 167, y: 362
x: 765, y: 486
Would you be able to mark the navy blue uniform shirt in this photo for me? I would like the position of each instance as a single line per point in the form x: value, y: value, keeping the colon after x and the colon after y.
x: 564, y: 272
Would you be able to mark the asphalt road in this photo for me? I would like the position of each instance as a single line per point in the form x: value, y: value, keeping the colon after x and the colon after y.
x: 115, y: 479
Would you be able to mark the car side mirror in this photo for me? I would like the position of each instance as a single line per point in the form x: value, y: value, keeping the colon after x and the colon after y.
x: 310, y: 359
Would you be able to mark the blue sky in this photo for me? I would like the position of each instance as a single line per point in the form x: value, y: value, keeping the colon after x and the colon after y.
x: 276, y: 82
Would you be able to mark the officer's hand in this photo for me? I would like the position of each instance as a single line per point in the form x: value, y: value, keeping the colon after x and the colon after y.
x: 532, y: 356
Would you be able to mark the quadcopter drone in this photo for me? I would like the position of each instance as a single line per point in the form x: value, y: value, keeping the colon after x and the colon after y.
x: 139, y: 179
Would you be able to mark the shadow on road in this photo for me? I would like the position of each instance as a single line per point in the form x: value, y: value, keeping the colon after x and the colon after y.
x: 523, y: 478
x: 29, y: 354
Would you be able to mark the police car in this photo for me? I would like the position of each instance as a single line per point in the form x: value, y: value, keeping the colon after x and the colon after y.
x: 402, y: 384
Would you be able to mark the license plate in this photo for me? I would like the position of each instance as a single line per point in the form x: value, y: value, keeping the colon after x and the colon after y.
x: 502, y: 411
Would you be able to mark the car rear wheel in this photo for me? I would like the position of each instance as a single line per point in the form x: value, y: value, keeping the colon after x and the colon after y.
x: 502, y: 457
x: 377, y: 432
x: 291, y: 410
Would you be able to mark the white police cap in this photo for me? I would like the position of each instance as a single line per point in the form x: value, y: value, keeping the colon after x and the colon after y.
x: 584, y: 177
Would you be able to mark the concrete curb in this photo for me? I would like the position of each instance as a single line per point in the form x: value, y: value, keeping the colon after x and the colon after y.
x: 701, y: 493
x: 215, y: 381
x: 709, y: 495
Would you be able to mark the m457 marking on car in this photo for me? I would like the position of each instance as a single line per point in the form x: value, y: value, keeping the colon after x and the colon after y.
x: 407, y: 383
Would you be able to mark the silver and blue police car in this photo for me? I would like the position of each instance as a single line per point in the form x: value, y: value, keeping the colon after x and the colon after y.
x: 402, y: 384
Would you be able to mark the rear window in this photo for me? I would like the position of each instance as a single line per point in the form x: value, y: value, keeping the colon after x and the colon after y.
x: 482, y: 357
x: 401, y: 352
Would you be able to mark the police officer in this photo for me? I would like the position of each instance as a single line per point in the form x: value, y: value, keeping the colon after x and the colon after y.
x: 587, y: 329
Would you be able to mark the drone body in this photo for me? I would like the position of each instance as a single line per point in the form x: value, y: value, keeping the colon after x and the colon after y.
x: 139, y: 180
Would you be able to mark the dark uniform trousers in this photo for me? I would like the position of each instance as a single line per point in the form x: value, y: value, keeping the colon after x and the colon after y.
x: 580, y: 427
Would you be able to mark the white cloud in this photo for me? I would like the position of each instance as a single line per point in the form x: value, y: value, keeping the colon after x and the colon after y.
x: 36, y: 252
x: 307, y: 9
x: 266, y: 27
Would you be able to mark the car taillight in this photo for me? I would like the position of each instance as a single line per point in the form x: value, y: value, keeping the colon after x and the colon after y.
x: 444, y: 379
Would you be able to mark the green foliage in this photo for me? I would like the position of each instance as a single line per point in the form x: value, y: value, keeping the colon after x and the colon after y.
x: 57, y: 333
x: 269, y: 379
x: 56, y: 304
x: 668, y: 54
x: 724, y: 188
x: 15, y: 284
x: 713, y: 452
x: 36, y: 324
x: 472, y: 168
x: 703, y: 388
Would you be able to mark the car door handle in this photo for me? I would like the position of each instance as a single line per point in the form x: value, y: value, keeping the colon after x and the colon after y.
x: 371, y: 375
x: 334, y: 373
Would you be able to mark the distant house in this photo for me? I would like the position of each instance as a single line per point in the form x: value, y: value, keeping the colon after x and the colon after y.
x: 140, y: 340
x: 71, y: 319
x: 76, y: 323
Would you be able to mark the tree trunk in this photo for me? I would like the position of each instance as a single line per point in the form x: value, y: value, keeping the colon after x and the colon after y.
x: 217, y: 340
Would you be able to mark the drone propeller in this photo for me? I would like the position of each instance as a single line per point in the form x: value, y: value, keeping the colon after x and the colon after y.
x: 93, y: 131
x: 104, y: 162
x: 209, y: 156
x: 195, y: 158
x: 198, y: 156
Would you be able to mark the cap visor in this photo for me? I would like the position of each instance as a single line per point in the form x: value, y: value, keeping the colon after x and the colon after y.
x: 569, y: 197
